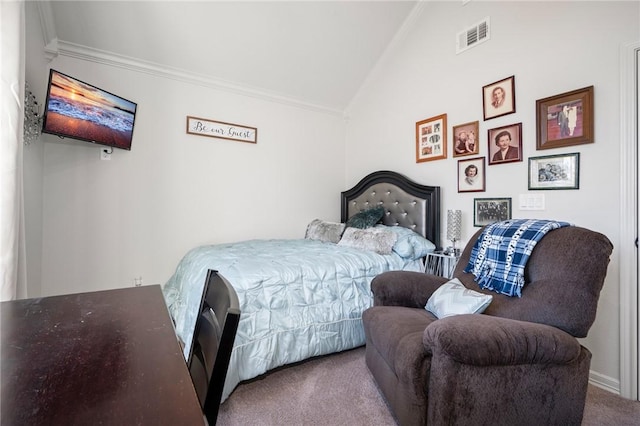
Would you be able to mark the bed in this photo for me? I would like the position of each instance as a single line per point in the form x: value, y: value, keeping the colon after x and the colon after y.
x: 304, y: 297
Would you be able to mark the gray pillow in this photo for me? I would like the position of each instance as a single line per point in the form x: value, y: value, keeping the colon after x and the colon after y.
x: 378, y: 240
x: 324, y: 231
x: 366, y: 218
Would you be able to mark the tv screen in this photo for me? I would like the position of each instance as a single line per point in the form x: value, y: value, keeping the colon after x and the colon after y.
x: 75, y: 109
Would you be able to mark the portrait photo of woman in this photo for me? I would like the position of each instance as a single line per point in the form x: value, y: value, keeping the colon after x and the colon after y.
x: 505, y: 144
x: 471, y: 175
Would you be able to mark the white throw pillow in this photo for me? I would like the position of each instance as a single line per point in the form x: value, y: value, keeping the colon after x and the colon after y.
x: 453, y: 298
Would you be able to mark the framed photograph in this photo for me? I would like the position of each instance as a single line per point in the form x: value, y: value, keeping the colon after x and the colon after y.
x: 489, y: 210
x: 465, y: 139
x: 431, y: 139
x: 565, y: 119
x: 499, y: 98
x: 505, y: 144
x: 471, y: 175
x: 555, y: 171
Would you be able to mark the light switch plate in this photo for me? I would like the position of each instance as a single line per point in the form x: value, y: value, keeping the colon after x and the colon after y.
x: 531, y: 202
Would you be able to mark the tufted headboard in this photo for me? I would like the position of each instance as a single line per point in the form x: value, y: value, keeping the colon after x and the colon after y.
x: 406, y: 203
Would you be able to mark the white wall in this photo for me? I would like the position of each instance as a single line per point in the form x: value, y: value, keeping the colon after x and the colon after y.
x: 33, y: 154
x: 105, y: 223
x: 551, y: 48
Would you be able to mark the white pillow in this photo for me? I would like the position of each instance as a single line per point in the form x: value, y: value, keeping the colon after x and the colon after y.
x: 453, y: 298
x: 372, y: 239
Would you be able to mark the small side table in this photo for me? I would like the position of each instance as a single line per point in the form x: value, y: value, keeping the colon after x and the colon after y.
x: 438, y: 263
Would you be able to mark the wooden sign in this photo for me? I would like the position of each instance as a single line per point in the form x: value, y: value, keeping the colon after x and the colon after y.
x: 222, y: 130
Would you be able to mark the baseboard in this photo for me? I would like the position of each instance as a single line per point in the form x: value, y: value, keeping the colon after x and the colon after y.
x: 604, y: 382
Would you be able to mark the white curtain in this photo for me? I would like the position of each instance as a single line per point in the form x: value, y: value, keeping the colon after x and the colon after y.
x: 12, y: 35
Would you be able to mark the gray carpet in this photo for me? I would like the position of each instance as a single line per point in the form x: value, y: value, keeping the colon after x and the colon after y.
x: 339, y: 390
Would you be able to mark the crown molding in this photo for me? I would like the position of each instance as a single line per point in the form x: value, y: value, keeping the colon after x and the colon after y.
x: 47, y: 24
x: 46, y: 21
x: 72, y: 50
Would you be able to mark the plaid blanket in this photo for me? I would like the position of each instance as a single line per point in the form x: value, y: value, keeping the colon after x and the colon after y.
x: 501, y: 252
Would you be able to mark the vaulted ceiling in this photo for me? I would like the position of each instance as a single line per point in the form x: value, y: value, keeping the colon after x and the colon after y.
x: 313, y: 52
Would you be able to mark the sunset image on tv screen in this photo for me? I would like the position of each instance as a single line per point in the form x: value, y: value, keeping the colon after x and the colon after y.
x: 78, y: 110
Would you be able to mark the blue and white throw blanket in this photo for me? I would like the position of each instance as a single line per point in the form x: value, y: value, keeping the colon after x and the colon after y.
x: 500, y: 254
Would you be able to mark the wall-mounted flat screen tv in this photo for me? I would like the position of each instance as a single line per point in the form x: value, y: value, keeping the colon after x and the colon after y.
x: 75, y: 109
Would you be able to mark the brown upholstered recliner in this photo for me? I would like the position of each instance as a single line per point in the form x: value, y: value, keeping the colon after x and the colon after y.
x: 518, y: 363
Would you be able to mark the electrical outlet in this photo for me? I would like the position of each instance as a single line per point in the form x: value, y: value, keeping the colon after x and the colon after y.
x: 137, y: 282
x: 105, y: 154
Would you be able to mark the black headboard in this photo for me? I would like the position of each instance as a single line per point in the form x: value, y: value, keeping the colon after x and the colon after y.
x: 406, y: 202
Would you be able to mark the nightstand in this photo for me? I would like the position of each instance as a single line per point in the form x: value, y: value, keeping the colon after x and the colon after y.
x: 438, y: 263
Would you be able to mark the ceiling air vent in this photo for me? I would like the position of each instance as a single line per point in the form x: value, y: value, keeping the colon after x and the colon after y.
x: 473, y: 36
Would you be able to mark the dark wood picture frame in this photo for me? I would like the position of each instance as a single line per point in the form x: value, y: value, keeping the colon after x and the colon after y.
x: 490, y: 210
x: 499, y: 135
x: 499, y: 98
x: 560, y: 171
x: 468, y: 181
x: 466, y: 139
x: 431, y: 139
x: 565, y: 119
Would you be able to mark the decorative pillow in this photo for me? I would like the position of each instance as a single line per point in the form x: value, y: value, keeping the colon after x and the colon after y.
x: 379, y: 240
x: 366, y: 218
x: 324, y: 231
x: 410, y: 244
x: 453, y: 298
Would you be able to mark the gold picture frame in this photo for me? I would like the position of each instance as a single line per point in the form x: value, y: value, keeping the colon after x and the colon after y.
x: 465, y: 139
x: 431, y: 139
